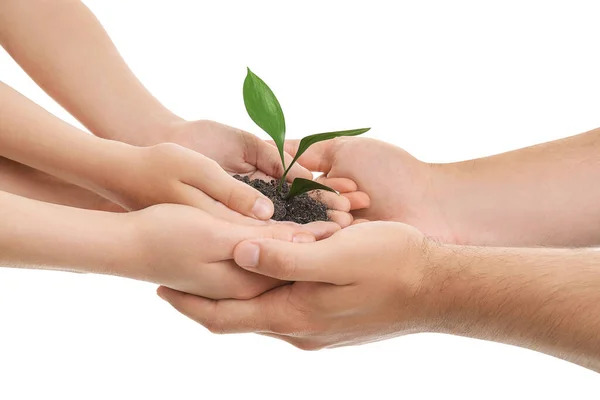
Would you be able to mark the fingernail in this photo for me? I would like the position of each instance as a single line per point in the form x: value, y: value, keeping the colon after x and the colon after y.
x: 247, y: 256
x: 303, y: 238
x: 263, y: 208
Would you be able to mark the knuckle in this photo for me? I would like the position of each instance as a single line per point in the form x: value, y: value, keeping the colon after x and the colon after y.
x: 165, y: 149
x: 237, y: 197
x: 206, y: 124
x: 282, y: 231
x: 215, y: 326
x: 307, y: 345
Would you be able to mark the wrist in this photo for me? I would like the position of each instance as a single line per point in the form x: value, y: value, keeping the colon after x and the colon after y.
x: 161, y: 127
x: 451, y: 194
x: 470, y: 291
x: 111, y: 171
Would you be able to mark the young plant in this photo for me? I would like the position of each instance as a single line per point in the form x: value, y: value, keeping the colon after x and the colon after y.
x: 265, y: 110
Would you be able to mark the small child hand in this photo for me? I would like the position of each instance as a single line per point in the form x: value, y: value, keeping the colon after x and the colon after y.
x: 169, y: 173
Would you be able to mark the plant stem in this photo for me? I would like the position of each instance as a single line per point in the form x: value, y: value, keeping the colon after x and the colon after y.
x: 283, y: 178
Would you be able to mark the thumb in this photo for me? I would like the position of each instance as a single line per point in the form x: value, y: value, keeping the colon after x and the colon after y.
x: 238, y: 196
x: 268, y: 160
x: 311, y: 262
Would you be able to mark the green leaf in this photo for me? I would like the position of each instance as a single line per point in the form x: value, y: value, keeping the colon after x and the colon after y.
x: 301, y: 185
x: 319, y: 137
x: 264, y: 109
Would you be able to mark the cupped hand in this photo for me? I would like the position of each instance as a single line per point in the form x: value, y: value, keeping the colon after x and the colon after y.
x: 240, y: 152
x: 170, y: 173
x: 190, y: 250
x: 398, y: 187
x: 365, y: 283
x: 237, y: 151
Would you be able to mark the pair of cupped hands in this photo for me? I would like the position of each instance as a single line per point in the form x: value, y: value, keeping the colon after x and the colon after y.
x: 223, y: 263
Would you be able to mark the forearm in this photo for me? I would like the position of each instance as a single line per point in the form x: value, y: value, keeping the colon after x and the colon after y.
x: 542, y: 195
x: 25, y: 181
x: 31, y: 136
x: 34, y: 234
x: 63, y: 47
x: 542, y: 299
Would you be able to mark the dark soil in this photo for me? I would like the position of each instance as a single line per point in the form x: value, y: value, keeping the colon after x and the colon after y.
x: 301, y: 209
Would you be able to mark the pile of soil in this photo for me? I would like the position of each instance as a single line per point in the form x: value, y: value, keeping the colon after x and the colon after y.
x: 301, y: 209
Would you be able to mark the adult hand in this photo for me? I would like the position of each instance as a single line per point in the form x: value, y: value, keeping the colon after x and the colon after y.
x: 399, y: 186
x: 364, y: 283
x: 190, y: 250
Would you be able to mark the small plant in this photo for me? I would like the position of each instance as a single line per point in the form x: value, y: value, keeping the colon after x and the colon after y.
x: 265, y: 110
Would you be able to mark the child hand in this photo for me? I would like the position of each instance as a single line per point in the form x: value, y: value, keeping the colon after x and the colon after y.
x: 169, y: 173
x: 189, y: 250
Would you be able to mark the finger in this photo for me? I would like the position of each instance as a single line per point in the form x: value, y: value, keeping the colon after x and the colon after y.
x: 313, y: 262
x: 227, y: 316
x: 342, y: 185
x: 347, y: 189
x: 231, y: 234
x: 226, y: 280
x: 268, y: 161
x: 321, y: 229
x: 358, y: 200
x: 319, y: 157
x: 288, y: 231
x: 343, y: 219
x: 191, y: 196
x: 211, y: 179
x: 359, y: 221
x: 333, y: 201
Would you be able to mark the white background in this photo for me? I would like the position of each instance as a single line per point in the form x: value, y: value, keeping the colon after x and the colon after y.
x: 445, y: 80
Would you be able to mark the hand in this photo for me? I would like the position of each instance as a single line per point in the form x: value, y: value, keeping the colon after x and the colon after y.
x: 240, y: 152
x: 399, y: 186
x: 169, y: 173
x: 365, y: 283
x: 187, y: 249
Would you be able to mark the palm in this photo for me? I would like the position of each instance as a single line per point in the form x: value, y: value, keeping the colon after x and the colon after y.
x: 238, y: 152
x: 399, y: 185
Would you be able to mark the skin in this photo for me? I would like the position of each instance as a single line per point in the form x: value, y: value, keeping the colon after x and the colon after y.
x: 85, y: 74
x: 544, y: 195
x: 174, y: 245
x: 27, y: 182
x: 133, y: 177
x: 518, y: 296
x: 148, y: 154
x: 379, y: 280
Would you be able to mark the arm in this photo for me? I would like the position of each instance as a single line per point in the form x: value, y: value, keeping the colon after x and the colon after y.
x: 24, y: 181
x: 546, y: 300
x: 34, y: 234
x: 31, y: 136
x: 159, y: 244
x: 133, y: 177
x: 375, y: 281
x: 542, y: 195
x: 63, y: 47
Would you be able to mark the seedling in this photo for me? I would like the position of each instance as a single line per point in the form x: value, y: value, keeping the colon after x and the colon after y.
x: 265, y: 110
